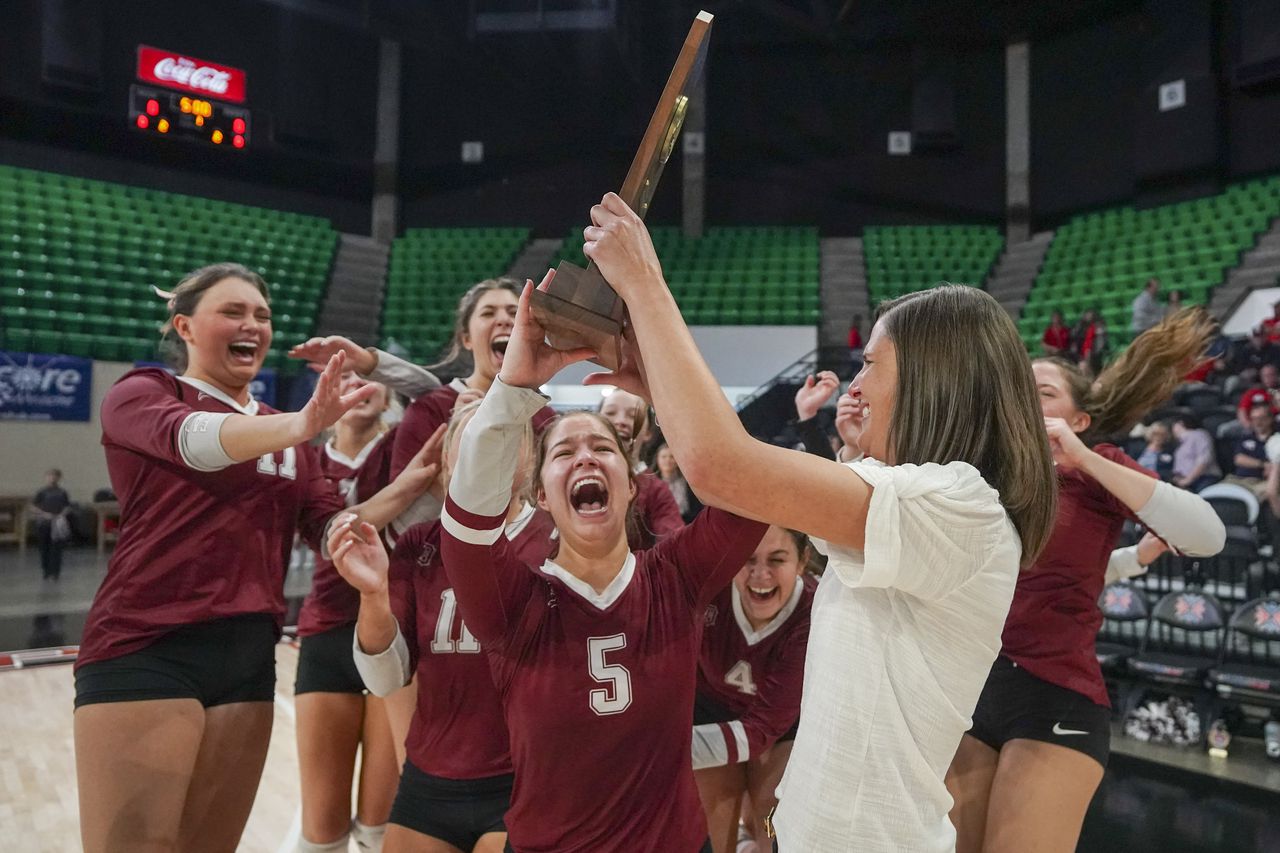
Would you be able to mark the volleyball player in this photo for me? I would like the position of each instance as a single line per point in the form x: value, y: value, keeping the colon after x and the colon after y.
x: 456, y: 784
x: 482, y: 327
x: 654, y: 510
x: 594, y: 652
x: 176, y: 673
x: 749, y: 677
x: 335, y: 718
x: 1023, y: 776
x: 924, y: 536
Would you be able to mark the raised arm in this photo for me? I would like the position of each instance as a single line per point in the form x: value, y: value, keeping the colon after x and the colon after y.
x: 373, y: 364
x: 490, y: 584
x: 724, y: 465
x: 1184, y: 520
x: 238, y: 438
x: 380, y: 652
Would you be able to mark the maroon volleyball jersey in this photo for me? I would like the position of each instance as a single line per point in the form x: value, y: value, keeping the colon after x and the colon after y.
x: 423, y: 417
x: 756, y: 675
x: 655, y: 511
x: 458, y: 730
x: 332, y: 602
x: 1054, y: 619
x: 194, y: 545
x: 598, y: 688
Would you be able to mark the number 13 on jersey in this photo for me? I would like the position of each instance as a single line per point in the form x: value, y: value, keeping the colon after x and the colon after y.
x: 615, y: 697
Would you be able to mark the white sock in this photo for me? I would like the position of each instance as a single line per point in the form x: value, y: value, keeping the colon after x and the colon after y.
x: 339, y: 846
x: 368, y: 837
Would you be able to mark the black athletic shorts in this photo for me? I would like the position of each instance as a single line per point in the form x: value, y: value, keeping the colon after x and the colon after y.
x: 1015, y: 704
x: 709, y: 710
x: 456, y: 811
x: 218, y: 663
x: 326, y: 663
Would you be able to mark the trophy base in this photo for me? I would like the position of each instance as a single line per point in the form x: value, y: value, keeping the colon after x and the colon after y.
x: 570, y: 324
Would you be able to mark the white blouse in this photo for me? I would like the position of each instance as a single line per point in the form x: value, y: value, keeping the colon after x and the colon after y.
x: 902, y: 638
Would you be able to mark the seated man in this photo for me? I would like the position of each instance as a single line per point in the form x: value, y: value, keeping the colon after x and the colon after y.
x: 1250, y: 458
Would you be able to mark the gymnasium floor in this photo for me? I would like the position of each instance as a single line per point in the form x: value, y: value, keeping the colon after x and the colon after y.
x: 1152, y: 799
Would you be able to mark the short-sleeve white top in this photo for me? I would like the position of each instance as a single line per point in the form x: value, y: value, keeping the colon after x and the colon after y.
x: 902, y: 638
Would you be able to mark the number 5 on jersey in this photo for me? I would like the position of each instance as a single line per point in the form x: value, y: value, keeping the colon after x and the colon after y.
x: 616, y: 697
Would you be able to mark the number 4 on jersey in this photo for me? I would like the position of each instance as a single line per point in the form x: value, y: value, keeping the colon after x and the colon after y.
x: 740, y: 677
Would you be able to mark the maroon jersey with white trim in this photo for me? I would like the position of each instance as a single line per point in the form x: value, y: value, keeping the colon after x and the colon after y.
x: 423, y: 417
x: 598, y: 687
x: 332, y: 602
x: 1054, y: 619
x: 458, y: 730
x: 756, y: 675
x: 656, y: 512
x: 194, y: 546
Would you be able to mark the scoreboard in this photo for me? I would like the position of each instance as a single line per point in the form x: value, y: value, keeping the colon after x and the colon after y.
x: 190, y: 117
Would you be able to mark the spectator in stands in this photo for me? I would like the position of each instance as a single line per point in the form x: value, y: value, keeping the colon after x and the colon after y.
x: 856, y: 343
x: 1057, y: 337
x: 1089, y: 340
x: 1158, y: 454
x: 1271, y: 325
x: 53, y: 529
x: 1266, y: 393
x: 669, y: 473
x: 1246, y: 361
x: 1194, y: 463
x: 1173, y: 304
x: 1250, y: 457
x: 654, y: 512
x: 1146, y: 308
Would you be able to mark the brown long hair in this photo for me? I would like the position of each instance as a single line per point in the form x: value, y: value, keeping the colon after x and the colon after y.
x: 1142, y: 378
x: 186, y: 298
x: 966, y: 393
x: 453, y: 357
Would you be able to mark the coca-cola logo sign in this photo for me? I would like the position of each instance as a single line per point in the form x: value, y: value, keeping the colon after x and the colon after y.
x: 166, y: 68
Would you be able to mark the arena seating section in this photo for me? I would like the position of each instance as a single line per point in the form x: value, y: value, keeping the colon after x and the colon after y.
x: 1102, y: 259
x: 79, y: 256
x: 430, y: 269
x: 903, y: 259
x: 736, y: 276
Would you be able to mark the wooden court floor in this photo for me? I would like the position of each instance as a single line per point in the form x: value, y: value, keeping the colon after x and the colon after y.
x: 38, y: 810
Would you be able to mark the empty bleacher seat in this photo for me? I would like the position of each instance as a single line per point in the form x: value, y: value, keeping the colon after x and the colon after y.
x: 903, y: 259
x: 735, y: 276
x: 78, y: 256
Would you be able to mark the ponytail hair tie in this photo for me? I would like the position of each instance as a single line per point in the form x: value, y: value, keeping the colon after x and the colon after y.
x: 168, y: 296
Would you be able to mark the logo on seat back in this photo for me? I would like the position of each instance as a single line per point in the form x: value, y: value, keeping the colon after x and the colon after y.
x: 1190, y: 608
x: 1266, y: 617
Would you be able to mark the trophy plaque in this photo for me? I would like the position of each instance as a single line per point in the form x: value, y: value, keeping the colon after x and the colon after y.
x: 579, y: 308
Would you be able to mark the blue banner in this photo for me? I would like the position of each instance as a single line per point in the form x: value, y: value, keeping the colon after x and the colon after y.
x: 36, y: 387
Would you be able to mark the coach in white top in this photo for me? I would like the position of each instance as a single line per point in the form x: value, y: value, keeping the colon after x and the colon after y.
x: 901, y: 640
x: 925, y: 538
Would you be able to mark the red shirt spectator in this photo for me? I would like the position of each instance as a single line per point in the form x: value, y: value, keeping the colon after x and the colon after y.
x: 1057, y: 337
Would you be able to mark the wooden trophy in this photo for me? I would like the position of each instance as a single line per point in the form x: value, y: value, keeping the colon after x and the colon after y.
x: 579, y: 308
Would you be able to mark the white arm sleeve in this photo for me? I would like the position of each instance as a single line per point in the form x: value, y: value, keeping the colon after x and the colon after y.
x: 425, y: 508
x: 199, y: 444
x: 713, y: 748
x: 387, y: 671
x: 488, y: 455
x: 1123, y: 565
x: 1185, y: 520
x: 402, y: 376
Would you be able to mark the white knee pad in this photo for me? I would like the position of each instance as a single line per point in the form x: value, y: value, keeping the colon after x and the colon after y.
x: 339, y: 846
x: 368, y: 838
